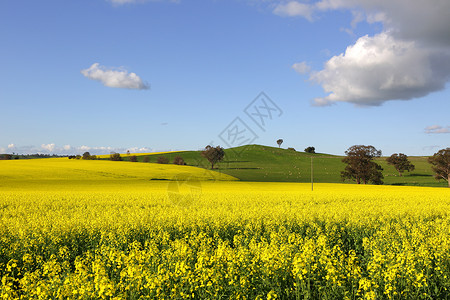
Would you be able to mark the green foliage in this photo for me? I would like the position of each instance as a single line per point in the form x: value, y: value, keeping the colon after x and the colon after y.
x: 441, y: 164
x: 400, y: 162
x: 360, y: 166
x: 133, y: 158
x: 213, y: 154
x: 310, y: 150
x: 162, y: 160
x: 279, y: 142
x: 178, y: 160
x: 115, y: 157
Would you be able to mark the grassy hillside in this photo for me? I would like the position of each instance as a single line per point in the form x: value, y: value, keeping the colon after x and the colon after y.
x: 263, y: 163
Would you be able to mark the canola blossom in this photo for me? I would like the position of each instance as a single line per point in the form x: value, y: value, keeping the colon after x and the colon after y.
x: 68, y: 231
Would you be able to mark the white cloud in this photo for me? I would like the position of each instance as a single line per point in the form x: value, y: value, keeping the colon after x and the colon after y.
x: 11, y: 146
x: 48, y: 147
x: 294, y: 9
x: 301, y: 67
x: 114, y: 77
x: 437, y: 129
x: 67, y: 147
x: 381, y: 68
x: 409, y: 59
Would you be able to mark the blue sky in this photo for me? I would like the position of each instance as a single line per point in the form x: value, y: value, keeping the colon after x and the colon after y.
x: 144, y: 76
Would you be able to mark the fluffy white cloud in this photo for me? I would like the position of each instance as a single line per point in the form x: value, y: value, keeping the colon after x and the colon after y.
x: 381, y: 68
x: 11, y: 146
x: 294, y: 9
x: 48, y: 147
x: 301, y: 67
x: 409, y: 59
x: 114, y: 77
x: 437, y: 129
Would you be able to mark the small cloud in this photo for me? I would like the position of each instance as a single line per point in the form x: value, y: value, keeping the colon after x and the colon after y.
x: 11, y: 146
x: 301, y: 67
x: 164, y: 124
x: 294, y: 9
x: 437, y: 129
x: 48, y: 147
x: 67, y: 147
x: 114, y: 77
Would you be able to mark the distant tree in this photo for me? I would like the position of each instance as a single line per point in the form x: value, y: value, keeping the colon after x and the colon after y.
x: 6, y: 156
x: 279, y: 142
x: 146, y: 159
x: 86, y: 155
x: 310, y: 150
x: 78, y: 156
x: 292, y: 149
x: 178, y: 160
x: 441, y: 164
x: 16, y: 157
x: 360, y: 166
x: 93, y: 157
x: 133, y: 158
x: 115, y: 157
x: 213, y: 154
x: 400, y: 162
x: 162, y: 160
x: 128, y: 152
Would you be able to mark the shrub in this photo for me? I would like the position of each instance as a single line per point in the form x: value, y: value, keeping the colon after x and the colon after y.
x: 162, y: 160
x: 178, y: 160
x: 310, y: 150
x: 115, y: 157
x: 291, y: 149
x: 146, y: 159
x: 133, y: 158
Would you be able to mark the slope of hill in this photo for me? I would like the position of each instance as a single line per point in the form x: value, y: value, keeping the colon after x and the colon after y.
x: 263, y: 163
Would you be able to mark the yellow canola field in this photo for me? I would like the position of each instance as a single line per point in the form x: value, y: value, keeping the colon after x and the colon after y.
x: 194, y: 239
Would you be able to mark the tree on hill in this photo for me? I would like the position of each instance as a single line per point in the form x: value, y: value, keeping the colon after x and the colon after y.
x: 86, y: 155
x: 133, y: 158
x: 441, y: 164
x: 310, y: 150
x: 178, y: 160
x: 115, y: 157
x: 162, y: 160
x: 213, y: 154
x: 279, y: 142
x: 401, y: 163
x: 360, y: 166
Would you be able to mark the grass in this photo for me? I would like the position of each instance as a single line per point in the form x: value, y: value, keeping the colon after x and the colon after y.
x: 263, y: 164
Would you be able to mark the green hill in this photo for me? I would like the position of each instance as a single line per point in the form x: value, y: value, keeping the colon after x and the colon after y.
x: 263, y: 163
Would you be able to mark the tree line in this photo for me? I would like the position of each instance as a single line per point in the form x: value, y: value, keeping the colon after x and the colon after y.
x: 362, y: 169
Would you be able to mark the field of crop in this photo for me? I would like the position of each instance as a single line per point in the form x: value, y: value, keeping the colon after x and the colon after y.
x: 67, y: 232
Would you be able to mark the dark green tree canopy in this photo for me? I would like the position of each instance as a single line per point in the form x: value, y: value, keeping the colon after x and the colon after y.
x: 401, y: 163
x: 441, y: 164
x: 310, y: 150
x: 360, y: 166
x: 213, y: 154
x: 279, y: 142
